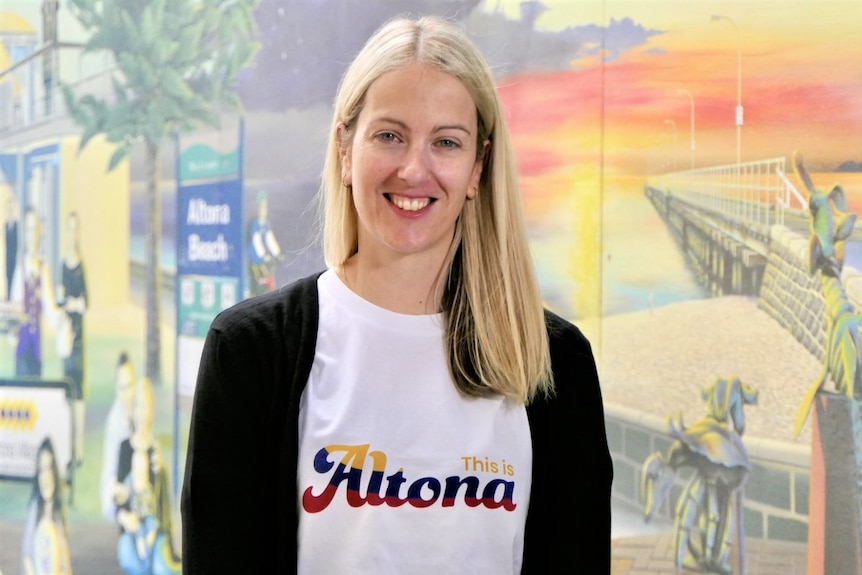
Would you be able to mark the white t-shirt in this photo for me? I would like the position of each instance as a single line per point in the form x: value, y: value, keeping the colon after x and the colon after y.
x: 398, y: 473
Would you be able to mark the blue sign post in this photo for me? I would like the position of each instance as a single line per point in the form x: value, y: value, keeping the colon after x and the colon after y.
x: 210, y: 244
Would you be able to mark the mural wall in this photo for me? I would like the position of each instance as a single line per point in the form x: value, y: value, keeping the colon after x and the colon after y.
x: 691, y: 172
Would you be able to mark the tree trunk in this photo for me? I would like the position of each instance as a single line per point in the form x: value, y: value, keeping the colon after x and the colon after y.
x: 153, y: 283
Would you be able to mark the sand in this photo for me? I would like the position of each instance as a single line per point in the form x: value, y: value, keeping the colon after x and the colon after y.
x: 658, y: 361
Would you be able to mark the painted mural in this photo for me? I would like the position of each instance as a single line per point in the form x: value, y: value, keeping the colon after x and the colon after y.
x: 692, y: 177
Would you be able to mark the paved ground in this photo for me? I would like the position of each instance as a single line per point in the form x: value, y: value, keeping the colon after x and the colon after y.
x: 653, y: 555
x: 648, y: 549
x: 93, y: 546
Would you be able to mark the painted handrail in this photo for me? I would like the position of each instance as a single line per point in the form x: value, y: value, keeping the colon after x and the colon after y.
x: 756, y: 192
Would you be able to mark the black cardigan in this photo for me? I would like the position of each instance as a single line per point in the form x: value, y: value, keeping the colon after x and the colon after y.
x: 239, y: 497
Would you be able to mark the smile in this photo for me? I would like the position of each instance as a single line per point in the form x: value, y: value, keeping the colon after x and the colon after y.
x: 409, y: 204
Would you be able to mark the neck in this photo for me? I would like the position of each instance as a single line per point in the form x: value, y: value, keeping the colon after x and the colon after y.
x: 72, y: 258
x: 404, y: 285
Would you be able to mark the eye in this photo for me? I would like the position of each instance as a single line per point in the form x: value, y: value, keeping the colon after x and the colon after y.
x: 448, y: 143
x: 387, y: 137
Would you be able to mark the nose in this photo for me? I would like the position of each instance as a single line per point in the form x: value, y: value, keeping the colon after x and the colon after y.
x: 416, y: 164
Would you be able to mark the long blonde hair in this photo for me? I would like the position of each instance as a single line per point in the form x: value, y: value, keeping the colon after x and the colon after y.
x: 495, y: 334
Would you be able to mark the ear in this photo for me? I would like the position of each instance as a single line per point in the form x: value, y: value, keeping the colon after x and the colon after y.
x: 476, y: 176
x: 344, y: 155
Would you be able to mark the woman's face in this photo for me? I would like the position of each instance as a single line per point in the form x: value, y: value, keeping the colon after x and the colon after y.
x: 412, y: 161
x: 45, y: 477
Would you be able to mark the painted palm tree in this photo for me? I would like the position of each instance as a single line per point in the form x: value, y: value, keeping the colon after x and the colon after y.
x: 177, y: 63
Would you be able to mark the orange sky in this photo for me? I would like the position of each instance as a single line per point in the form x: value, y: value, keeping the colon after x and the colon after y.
x: 584, y: 138
x: 801, y: 87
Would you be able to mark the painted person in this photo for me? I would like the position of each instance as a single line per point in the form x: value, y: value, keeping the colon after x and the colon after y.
x: 413, y: 408
x: 45, y: 550
x: 117, y: 429
x: 72, y: 299
x: 142, y: 496
x: 11, y: 243
x: 263, y: 249
x: 33, y: 291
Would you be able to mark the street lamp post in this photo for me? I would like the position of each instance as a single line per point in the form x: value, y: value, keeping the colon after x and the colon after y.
x: 690, y: 121
x: 716, y: 18
x: 738, y: 183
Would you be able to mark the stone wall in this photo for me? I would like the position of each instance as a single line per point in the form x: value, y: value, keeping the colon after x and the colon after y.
x: 790, y: 294
x: 794, y: 297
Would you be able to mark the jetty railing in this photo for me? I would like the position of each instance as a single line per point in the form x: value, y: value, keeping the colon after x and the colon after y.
x: 757, y: 192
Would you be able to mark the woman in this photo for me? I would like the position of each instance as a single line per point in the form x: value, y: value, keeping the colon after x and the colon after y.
x: 32, y: 289
x: 11, y: 230
x: 142, y: 496
x: 27, y: 291
x: 72, y: 298
x: 413, y: 408
x: 45, y: 550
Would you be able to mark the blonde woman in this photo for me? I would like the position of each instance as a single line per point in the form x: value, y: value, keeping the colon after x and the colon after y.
x: 142, y: 496
x: 72, y: 299
x: 412, y: 409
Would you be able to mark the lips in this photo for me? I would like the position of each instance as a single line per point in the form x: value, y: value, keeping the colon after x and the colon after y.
x: 409, y: 204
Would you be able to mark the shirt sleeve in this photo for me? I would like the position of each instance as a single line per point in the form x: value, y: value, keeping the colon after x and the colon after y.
x: 569, y: 520
x: 223, y: 501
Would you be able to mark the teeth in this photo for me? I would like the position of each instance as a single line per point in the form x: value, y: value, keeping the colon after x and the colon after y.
x: 410, y: 205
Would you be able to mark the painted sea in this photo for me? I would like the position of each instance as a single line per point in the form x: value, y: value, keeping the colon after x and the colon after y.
x: 639, y: 265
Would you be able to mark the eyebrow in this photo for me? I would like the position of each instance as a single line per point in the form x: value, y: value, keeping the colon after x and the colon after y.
x: 387, y: 119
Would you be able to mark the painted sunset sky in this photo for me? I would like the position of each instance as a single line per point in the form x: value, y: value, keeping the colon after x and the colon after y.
x: 801, y: 83
x: 586, y: 137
